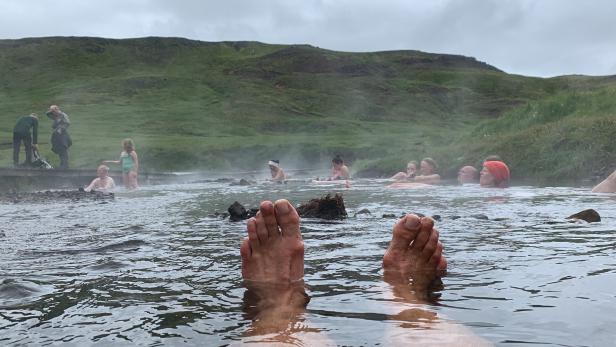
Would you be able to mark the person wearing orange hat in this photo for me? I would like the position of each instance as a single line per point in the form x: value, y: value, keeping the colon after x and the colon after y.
x: 495, y: 174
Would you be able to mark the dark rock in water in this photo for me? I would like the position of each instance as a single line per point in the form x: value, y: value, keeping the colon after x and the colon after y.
x: 500, y: 219
x: 455, y: 217
x: 363, y: 211
x: 389, y: 215
x: 244, y: 182
x: 327, y: 207
x: 436, y: 217
x: 480, y: 216
x: 252, y: 212
x: 54, y: 196
x: 589, y: 215
x: 237, y: 212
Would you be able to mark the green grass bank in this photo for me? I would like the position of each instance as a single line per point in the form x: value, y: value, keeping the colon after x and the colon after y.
x: 229, y: 106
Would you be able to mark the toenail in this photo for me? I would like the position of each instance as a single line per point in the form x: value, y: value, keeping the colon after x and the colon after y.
x: 412, y: 223
x: 283, y: 207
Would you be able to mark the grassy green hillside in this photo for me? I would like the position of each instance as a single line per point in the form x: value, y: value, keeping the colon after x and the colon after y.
x: 234, y: 105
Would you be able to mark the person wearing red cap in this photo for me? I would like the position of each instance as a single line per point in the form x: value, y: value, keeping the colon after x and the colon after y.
x: 495, y: 174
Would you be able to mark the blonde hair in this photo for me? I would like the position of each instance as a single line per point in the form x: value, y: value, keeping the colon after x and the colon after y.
x: 103, y: 167
x: 431, y: 162
x: 128, y: 143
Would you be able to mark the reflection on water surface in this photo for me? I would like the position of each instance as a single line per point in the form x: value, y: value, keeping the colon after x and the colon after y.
x: 152, y: 267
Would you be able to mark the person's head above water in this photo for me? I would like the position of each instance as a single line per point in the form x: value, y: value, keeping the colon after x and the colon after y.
x: 494, y: 174
x: 428, y: 167
x: 274, y: 164
x: 337, y: 162
x: 128, y: 145
x: 468, y: 174
x: 411, y: 167
x: 102, y: 171
x: 54, y: 109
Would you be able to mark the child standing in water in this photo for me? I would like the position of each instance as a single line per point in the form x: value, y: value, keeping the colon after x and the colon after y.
x: 130, y: 164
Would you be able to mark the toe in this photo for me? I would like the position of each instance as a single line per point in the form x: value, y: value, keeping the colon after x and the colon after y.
x: 404, y: 232
x: 287, y: 218
x: 423, y: 236
x: 261, y: 228
x: 269, y: 218
x: 430, y: 246
x: 253, y: 239
x: 245, y: 249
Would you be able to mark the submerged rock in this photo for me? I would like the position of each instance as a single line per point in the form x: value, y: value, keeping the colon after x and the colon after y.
x: 363, y: 211
x: 327, y: 207
x: 588, y: 215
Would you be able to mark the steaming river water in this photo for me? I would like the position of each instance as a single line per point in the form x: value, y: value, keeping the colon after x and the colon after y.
x: 153, y: 268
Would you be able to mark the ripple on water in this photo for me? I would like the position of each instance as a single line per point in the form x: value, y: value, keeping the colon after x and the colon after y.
x: 152, y: 268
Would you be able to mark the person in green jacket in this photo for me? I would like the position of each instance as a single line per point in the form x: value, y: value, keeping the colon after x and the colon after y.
x: 26, y: 131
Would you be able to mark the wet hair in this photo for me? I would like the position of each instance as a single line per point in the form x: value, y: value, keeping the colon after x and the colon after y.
x: 431, y: 162
x: 493, y: 157
x: 337, y: 160
x: 128, y: 144
x: 103, y: 167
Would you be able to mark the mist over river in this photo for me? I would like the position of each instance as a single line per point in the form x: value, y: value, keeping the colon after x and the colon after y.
x: 155, y: 266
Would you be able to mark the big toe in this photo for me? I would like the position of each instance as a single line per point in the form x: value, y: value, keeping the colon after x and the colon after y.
x: 404, y: 232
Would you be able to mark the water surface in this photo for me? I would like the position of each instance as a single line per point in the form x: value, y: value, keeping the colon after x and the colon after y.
x: 156, y: 267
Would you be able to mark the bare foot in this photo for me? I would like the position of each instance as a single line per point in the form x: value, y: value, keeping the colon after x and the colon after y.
x: 272, y: 267
x: 415, y: 252
x: 273, y: 252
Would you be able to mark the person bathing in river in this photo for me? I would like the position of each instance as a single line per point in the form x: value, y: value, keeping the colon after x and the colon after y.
x: 60, y: 138
x: 427, y: 172
x: 411, y: 171
x: 339, y: 170
x: 495, y: 174
x: 26, y: 131
x: 103, y: 183
x: 468, y: 174
x: 276, y: 171
x: 273, y: 268
x: 129, y: 162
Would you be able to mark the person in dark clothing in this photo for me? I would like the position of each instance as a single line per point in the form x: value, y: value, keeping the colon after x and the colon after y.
x: 60, y: 139
x: 21, y: 133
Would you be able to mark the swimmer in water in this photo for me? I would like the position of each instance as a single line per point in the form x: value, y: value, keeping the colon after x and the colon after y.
x: 103, y: 183
x: 276, y: 171
x: 411, y: 171
x: 339, y: 170
x: 273, y: 270
x: 495, y: 174
x: 427, y: 172
x: 468, y: 174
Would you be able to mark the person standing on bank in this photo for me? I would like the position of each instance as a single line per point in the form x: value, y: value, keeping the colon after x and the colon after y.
x: 60, y: 139
x: 21, y: 133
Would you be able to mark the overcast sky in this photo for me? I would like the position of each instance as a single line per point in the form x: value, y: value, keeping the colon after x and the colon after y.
x: 536, y: 38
